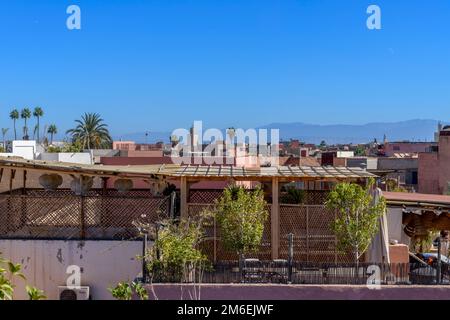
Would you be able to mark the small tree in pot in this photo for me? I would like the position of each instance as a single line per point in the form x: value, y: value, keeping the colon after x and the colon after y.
x: 241, y: 215
x: 357, y: 217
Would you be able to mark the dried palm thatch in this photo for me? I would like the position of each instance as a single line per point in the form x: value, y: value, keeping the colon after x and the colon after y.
x: 419, y: 225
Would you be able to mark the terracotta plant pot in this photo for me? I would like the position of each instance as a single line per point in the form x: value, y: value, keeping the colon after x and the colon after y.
x: 123, y: 185
x: 51, y: 181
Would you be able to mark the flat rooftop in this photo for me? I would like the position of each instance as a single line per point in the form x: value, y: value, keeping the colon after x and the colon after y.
x: 416, y: 198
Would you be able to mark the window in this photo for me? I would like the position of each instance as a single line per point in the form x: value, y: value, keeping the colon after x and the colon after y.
x: 414, y: 177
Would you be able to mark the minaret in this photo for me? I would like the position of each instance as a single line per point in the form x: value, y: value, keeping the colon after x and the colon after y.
x: 194, y: 136
x: 436, y: 134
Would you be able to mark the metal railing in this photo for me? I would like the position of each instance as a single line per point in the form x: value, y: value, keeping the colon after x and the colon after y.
x: 283, y: 272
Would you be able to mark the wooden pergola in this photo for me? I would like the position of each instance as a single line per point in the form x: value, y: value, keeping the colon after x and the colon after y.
x: 189, y: 174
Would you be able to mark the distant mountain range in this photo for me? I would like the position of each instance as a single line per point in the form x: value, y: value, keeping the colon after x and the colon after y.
x: 140, y: 137
x: 412, y: 130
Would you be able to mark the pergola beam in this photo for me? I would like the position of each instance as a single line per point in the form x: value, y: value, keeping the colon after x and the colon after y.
x: 284, y: 173
x: 275, y: 219
x: 11, y: 178
x: 24, y: 181
x: 184, y: 197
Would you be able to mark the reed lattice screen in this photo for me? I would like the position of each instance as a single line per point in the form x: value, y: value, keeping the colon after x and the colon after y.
x: 314, y: 240
x: 208, y: 196
x: 204, y: 196
x: 109, y: 215
x: 213, y: 247
x: 63, y: 215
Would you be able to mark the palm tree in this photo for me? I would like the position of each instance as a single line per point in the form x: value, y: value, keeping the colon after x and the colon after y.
x: 38, y: 112
x: 4, y: 132
x: 35, y: 131
x: 91, y: 132
x: 25, y: 114
x: 14, y: 115
x: 52, y: 130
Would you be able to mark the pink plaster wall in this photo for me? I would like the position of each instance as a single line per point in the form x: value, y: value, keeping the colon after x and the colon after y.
x: 124, y: 145
x: 406, y: 147
x: 299, y: 292
x: 434, y: 168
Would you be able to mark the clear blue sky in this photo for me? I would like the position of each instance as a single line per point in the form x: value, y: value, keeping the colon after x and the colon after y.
x: 159, y: 65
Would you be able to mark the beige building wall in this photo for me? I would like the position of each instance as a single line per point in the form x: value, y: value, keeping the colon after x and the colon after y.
x: 103, y: 264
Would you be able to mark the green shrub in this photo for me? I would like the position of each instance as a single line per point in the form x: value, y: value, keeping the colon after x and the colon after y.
x: 241, y: 215
x: 293, y: 196
x: 125, y: 291
x: 9, y: 271
x: 175, y: 254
